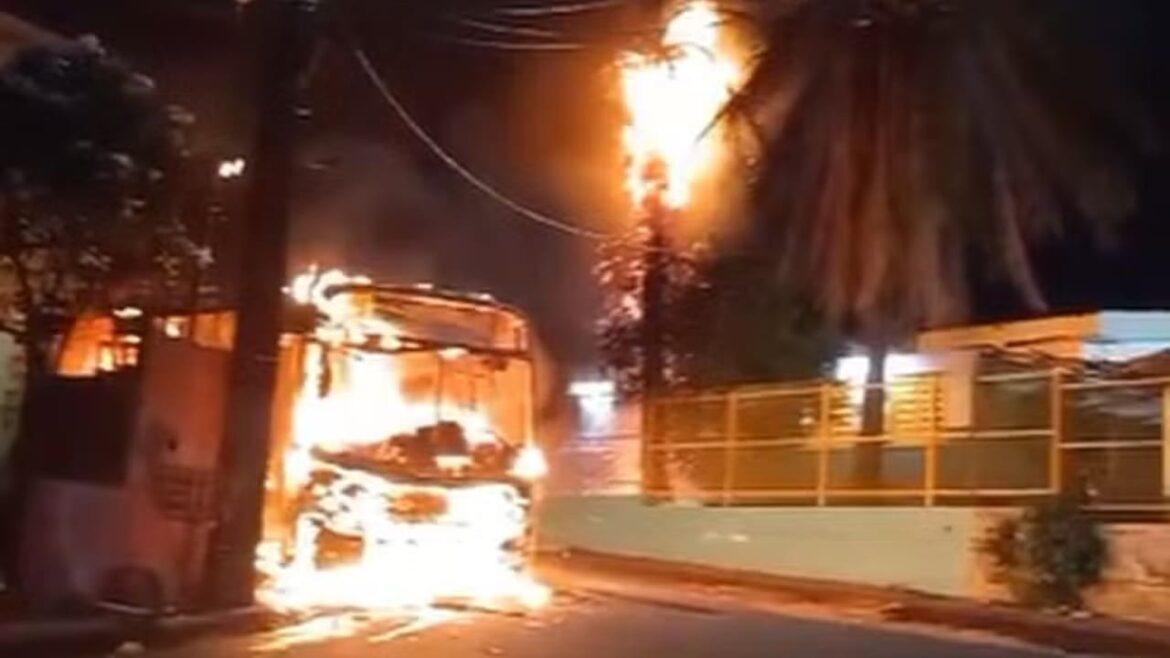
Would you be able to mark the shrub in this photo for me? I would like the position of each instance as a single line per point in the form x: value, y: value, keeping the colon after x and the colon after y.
x: 1048, y: 555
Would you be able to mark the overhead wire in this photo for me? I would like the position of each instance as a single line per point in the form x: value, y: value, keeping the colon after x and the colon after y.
x: 383, y: 89
x: 559, y: 9
x: 527, y: 27
x: 507, y: 33
x: 500, y: 44
x: 527, y: 36
x: 503, y: 28
x: 550, y: 41
x: 507, y: 36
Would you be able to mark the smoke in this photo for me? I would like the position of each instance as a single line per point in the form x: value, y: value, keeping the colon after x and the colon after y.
x: 387, y: 212
x: 366, y: 208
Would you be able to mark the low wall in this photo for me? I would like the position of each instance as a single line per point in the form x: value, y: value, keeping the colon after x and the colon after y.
x: 933, y: 550
x: 1138, y: 582
x: 917, y: 548
x: 78, y: 536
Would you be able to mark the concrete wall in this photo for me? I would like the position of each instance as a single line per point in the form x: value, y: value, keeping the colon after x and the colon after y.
x: 932, y: 550
x: 1138, y: 581
x: 917, y: 548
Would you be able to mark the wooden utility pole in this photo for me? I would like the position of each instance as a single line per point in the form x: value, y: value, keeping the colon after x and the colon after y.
x: 285, y: 36
x: 655, y: 212
x: 653, y: 293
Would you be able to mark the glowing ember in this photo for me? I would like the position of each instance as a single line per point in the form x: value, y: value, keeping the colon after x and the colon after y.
x: 672, y: 97
x: 392, y: 501
x: 530, y: 464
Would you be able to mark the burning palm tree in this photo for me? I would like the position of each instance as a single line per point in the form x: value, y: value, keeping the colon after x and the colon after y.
x: 908, y: 140
x: 671, y: 92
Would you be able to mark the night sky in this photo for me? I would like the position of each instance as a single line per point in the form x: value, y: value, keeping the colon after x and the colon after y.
x: 1133, y: 272
x: 545, y: 128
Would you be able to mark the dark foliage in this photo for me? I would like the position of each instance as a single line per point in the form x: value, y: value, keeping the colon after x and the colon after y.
x: 728, y: 319
x: 909, y: 143
x: 1048, y: 555
x: 89, y: 179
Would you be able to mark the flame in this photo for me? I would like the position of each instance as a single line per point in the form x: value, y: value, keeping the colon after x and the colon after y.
x: 672, y: 97
x: 418, y: 543
x: 406, y: 562
x: 530, y: 464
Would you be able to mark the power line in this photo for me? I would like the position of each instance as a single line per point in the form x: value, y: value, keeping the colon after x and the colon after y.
x: 499, y: 44
x: 557, y: 9
x: 384, y: 90
x: 528, y: 36
x: 524, y: 37
x: 501, y: 28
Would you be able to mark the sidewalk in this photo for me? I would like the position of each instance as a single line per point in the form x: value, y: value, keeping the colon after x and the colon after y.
x: 695, y: 586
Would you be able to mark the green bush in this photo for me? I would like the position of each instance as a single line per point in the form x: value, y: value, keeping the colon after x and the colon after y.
x: 1048, y: 555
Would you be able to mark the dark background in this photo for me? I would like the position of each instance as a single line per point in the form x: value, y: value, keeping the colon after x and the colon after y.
x: 1131, y: 39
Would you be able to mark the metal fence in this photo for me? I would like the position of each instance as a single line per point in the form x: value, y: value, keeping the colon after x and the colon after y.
x: 941, y: 440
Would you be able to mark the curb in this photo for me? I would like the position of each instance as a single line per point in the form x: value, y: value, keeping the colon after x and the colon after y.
x: 110, y: 630
x: 1098, y: 635
x: 60, y: 633
x: 1105, y: 635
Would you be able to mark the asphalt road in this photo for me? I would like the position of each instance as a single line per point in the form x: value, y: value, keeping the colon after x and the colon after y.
x: 597, y: 626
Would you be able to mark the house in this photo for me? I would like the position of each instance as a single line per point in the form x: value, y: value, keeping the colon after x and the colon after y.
x: 1099, y: 336
x: 14, y: 35
x: 960, y: 354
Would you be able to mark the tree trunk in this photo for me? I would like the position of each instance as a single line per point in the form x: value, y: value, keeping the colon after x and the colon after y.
x: 868, y: 466
x: 873, y: 404
x: 653, y: 298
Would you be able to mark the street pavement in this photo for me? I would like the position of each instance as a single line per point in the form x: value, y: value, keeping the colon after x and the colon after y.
x: 597, y: 625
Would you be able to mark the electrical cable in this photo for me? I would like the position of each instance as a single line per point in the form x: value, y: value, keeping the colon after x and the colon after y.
x: 497, y: 44
x: 486, y: 188
x: 560, y: 9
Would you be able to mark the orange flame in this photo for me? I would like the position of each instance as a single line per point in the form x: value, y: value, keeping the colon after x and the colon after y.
x: 419, y: 543
x: 672, y: 98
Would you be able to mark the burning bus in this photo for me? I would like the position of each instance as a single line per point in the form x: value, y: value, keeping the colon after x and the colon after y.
x: 406, y: 472
x: 403, y: 458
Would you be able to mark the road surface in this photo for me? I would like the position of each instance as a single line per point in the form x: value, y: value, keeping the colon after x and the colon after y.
x: 598, y: 626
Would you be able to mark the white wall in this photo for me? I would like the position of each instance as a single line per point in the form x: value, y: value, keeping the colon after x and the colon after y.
x: 925, y: 549
x: 933, y: 550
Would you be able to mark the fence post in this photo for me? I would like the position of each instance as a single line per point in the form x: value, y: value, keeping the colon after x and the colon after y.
x: 824, y: 435
x: 930, y: 461
x: 1056, y: 420
x: 647, y: 448
x: 730, y: 428
x: 1166, y: 441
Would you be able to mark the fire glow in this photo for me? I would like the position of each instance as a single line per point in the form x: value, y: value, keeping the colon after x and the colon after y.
x: 672, y: 96
x: 412, y: 542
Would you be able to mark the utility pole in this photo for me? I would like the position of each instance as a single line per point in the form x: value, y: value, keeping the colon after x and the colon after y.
x: 655, y: 214
x: 285, y: 37
x: 653, y: 292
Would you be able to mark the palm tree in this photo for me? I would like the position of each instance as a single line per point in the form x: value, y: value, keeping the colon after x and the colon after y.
x: 907, y: 143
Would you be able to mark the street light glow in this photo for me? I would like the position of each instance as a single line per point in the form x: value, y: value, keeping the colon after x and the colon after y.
x: 233, y: 168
